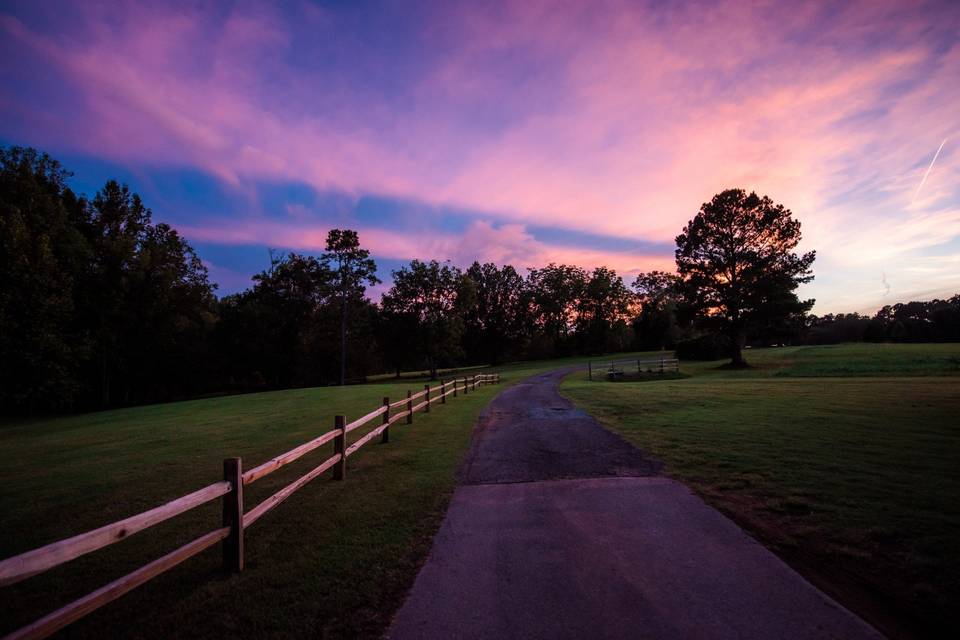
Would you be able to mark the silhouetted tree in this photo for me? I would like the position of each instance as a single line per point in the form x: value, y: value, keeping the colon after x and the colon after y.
x: 97, y: 304
x: 602, y: 306
x: 659, y: 295
x: 831, y: 329
x: 395, y: 326
x: 737, y: 261
x: 42, y: 254
x: 436, y: 295
x: 172, y: 311
x: 352, y: 269
x: 556, y: 291
x: 270, y: 330
x: 499, y: 320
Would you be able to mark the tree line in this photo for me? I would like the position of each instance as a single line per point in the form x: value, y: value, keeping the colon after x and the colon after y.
x: 102, y: 306
x: 929, y: 321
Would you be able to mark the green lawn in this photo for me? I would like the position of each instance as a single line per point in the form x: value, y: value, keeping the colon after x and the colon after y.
x: 844, y: 459
x: 334, y: 559
x: 843, y: 476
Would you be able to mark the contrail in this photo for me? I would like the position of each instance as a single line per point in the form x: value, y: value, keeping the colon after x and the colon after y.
x: 929, y: 169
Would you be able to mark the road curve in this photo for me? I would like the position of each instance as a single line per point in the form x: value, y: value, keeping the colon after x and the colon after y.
x: 561, y: 529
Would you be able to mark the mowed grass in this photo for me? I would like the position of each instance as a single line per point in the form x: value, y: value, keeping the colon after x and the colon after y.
x: 844, y: 459
x: 334, y: 560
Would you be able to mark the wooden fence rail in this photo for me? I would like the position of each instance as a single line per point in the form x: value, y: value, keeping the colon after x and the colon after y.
x: 235, y: 519
x: 613, y: 368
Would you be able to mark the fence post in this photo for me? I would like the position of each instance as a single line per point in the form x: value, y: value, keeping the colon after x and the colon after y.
x: 233, y: 515
x: 638, y: 365
x: 426, y: 395
x: 443, y: 392
x: 465, y: 385
x: 409, y: 407
x: 661, y: 365
x: 340, y: 446
x: 589, y: 370
x: 454, y: 387
x: 385, y: 434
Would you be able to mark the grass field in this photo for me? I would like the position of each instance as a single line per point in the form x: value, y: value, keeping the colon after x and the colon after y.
x: 844, y: 459
x: 334, y: 560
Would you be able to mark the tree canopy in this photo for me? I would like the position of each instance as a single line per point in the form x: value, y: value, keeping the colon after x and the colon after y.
x: 431, y: 297
x: 738, y: 265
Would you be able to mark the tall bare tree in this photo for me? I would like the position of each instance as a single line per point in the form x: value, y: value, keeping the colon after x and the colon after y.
x: 353, y: 269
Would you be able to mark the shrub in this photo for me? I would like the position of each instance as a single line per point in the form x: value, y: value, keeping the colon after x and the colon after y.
x: 711, y: 346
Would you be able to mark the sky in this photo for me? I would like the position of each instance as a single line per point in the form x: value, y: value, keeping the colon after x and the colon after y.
x: 515, y: 132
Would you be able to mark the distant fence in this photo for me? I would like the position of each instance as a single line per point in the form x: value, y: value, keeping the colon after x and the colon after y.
x: 616, y: 368
x: 235, y: 519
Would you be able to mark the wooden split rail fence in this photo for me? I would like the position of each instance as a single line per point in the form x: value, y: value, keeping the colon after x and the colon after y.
x: 616, y: 368
x: 235, y: 519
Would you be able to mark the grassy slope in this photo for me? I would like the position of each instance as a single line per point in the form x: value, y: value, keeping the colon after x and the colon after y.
x: 853, y: 475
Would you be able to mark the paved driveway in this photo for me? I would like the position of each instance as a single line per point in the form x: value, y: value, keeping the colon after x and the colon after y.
x: 561, y: 529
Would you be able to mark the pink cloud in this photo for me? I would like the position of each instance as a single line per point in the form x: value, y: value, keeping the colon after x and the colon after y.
x: 482, y: 241
x: 611, y: 118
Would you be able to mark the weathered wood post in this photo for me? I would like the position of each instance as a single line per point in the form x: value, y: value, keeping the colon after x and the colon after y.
x: 409, y: 407
x: 590, y: 370
x: 385, y: 434
x: 454, y: 387
x: 443, y: 392
x: 465, y: 385
x: 340, y: 446
x: 233, y: 515
x: 638, y: 366
x: 661, y: 365
x: 426, y: 395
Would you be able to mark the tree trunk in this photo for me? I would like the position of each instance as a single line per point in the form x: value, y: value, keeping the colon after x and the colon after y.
x: 738, y: 340
x: 343, y: 341
x: 104, y: 381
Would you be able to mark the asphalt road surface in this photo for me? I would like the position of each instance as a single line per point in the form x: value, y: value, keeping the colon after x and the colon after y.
x: 561, y: 529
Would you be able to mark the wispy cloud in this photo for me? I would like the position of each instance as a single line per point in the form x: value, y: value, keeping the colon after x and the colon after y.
x: 614, y: 118
x: 482, y: 241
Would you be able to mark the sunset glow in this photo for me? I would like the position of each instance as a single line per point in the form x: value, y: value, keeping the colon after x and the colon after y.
x: 519, y: 133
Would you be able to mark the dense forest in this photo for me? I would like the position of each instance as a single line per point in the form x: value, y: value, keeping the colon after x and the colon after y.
x: 100, y: 305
